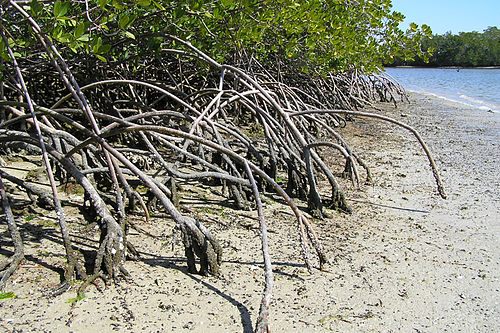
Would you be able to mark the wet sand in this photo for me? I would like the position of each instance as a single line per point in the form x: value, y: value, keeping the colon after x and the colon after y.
x: 405, y: 260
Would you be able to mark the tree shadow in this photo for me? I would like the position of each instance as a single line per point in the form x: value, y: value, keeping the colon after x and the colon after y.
x: 33, y: 233
x: 37, y: 261
x: 391, y: 207
x: 172, y: 262
x: 175, y: 263
x: 202, y: 203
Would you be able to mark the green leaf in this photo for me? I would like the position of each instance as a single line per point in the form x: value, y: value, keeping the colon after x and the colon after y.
x: 80, y: 30
x: 57, y: 32
x: 129, y: 35
x: 61, y: 8
x: 101, y: 58
x: 36, y: 7
x: 216, y: 13
x: 103, y: 3
x: 78, y: 297
x: 57, y: 8
x: 144, y: 3
x: 123, y: 21
x: 158, y: 5
x: 96, y: 44
x: 5, y: 56
x: 7, y: 295
x: 65, y: 38
x: 104, y: 49
x: 427, y: 30
x: 83, y: 38
x: 118, y: 5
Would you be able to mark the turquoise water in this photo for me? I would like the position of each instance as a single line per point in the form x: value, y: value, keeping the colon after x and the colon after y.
x: 478, y: 88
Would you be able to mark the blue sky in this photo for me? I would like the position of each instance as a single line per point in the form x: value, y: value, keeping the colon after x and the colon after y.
x: 450, y: 15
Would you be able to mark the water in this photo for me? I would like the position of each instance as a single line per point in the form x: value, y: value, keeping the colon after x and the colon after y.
x: 478, y: 88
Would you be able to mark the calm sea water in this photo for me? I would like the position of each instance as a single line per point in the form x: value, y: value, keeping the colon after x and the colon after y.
x: 479, y: 88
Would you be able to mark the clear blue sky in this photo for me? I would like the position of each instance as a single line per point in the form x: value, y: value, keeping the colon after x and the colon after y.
x: 450, y: 15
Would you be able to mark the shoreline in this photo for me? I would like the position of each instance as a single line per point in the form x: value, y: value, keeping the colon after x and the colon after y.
x: 445, y: 67
x: 472, y: 89
x: 455, y: 103
x: 404, y: 260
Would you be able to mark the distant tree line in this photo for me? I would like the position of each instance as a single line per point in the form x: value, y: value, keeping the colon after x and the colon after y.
x: 467, y: 49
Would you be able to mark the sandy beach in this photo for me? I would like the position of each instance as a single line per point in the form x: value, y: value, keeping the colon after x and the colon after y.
x: 405, y: 259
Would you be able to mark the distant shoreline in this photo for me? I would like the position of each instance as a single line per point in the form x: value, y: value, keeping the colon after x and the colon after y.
x: 456, y: 104
x: 446, y: 67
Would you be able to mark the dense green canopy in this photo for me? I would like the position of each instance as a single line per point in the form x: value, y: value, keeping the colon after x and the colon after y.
x: 466, y: 49
x: 319, y: 35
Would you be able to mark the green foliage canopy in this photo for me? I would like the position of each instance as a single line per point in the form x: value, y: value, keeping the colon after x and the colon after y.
x: 466, y: 49
x: 319, y: 35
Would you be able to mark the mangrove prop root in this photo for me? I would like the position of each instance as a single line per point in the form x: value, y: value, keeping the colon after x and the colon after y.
x: 192, y: 120
x: 8, y: 267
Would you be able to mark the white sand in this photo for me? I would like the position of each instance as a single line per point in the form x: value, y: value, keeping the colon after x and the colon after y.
x: 405, y: 260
